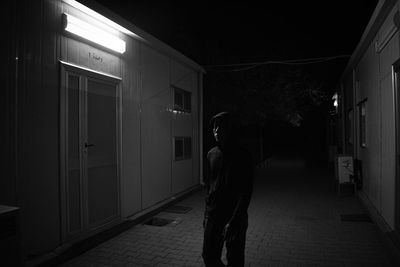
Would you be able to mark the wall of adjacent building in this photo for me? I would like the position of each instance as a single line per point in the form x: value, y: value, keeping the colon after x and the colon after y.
x: 373, y: 83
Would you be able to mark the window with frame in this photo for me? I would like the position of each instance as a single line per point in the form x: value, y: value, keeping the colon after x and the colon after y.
x: 182, y: 147
x: 182, y: 100
x: 362, y: 122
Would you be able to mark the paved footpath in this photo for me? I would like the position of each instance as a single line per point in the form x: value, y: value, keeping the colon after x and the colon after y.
x: 294, y: 220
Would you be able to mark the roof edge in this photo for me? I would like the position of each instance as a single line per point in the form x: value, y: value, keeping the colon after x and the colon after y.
x: 382, y: 9
x: 144, y: 36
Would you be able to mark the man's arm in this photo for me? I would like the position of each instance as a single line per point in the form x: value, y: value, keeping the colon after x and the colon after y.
x: 244, y: 197
x: 242, y: 205
x: 205, y: 180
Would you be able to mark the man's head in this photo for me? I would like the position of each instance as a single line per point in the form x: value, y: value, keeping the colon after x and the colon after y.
x: 222, y: 125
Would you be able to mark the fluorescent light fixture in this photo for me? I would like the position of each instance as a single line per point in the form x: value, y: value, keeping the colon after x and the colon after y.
x: 94, y: 34
x: 100, y: 17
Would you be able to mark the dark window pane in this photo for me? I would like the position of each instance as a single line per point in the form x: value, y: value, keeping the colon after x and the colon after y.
x: 188, y: 147
x: 178, y: 148
x: 187, y: 101
x: 178, y: 99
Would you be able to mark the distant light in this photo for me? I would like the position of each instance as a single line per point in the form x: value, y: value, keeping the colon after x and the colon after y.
x: 335, y: 100
x: 94, y: 34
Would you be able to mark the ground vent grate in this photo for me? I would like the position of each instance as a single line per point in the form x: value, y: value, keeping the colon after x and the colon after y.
x: 158, y: 221
x: 355, y: 217
x: 178, y: 209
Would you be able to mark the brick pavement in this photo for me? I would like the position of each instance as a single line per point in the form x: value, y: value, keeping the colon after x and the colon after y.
x: 294, y: 220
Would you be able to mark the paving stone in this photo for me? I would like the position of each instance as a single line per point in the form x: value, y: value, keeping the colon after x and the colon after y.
x: 294, y: 220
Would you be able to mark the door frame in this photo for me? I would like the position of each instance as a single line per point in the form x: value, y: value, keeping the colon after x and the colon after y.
x: 66, y: 68
x: 396, y: 103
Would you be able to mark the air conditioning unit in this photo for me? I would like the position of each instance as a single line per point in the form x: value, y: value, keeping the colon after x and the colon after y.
x: 10, y: 246
x: 344, y: 172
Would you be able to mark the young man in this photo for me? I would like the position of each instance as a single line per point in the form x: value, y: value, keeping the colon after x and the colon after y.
x: 229, y: 181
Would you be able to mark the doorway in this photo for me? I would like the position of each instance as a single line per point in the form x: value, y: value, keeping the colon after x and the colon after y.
x: 90, y: 150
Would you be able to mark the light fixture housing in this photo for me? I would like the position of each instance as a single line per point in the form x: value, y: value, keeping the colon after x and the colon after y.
x: 335, y: 100
x: 94, y: 33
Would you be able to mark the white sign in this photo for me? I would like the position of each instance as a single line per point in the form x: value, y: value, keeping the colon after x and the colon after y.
x: 344, y: 168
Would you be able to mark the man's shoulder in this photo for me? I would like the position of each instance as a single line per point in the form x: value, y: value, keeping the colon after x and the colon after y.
x: 214, y: 152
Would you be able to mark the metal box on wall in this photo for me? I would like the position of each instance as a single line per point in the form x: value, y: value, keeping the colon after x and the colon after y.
x: 343, y: 172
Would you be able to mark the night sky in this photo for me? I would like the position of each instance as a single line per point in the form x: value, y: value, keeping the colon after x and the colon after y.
x: 218, y: 32
x: 232, y: 32
x: 251, y: 30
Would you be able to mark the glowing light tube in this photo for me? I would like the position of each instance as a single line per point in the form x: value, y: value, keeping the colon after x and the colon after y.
x: 94, y: 34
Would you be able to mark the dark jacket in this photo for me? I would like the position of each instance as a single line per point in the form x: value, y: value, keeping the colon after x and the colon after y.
x: 229, y: 182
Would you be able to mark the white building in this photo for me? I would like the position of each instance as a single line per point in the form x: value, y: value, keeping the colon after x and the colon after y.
x: 102, y: 121
x: 369, y: 113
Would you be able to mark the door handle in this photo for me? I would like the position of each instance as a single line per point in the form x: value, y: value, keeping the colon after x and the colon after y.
x: 88, y: 145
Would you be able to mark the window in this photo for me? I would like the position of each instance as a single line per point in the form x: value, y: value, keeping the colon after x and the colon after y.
x: 182, y: 100
x: 362, y: 123
x: 183, y: 148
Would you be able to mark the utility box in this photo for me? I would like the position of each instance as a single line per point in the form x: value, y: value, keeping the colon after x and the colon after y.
x: 344, y: 171
x: 10, y: 247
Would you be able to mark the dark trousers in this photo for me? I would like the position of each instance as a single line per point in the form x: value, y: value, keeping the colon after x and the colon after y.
x: 213, y: 244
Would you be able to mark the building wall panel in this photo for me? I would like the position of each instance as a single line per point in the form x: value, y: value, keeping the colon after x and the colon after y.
x: 387, y: 57
x: 367, y: 74
x: 155, y: 127
x: 147, y: 122
x: 131, y: 87
x: 184, y: 125
x: 8, y: 107
x: 38, y: 129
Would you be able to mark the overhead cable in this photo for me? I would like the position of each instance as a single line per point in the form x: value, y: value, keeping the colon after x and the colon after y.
x: 251, y: 65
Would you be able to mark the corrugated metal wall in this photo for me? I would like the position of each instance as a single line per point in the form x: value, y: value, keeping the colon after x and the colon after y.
x: 373, y: 74
x: 155, y: 127
x: 387, y: 57
x: 38, y: 126
x: 148, y: 172
x: 8, y: 65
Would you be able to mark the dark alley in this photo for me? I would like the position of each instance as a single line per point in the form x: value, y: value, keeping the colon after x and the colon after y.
x: 131, y: 129
x: 294, y: 220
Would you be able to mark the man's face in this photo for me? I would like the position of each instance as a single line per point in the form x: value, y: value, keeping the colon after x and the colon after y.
x: 220, y: 131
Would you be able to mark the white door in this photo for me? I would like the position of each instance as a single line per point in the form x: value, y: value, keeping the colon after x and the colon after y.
x: 90, y: 127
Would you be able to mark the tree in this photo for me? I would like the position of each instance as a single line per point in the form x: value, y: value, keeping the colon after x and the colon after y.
x: 263, y: 96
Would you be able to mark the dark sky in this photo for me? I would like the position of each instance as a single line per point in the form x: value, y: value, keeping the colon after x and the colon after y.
x: 232, y: 32
x: 251, y: 30
x: 225, y: 32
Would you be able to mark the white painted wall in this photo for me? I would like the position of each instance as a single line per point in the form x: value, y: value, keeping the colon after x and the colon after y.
x: 184, y: 125
x: 131, y: 184
x: 147, y: 175
x: 367, y: 74
x: 388, y: 56
x: 155, y: 127
x: 38, y: 129
x: 374, y: 73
